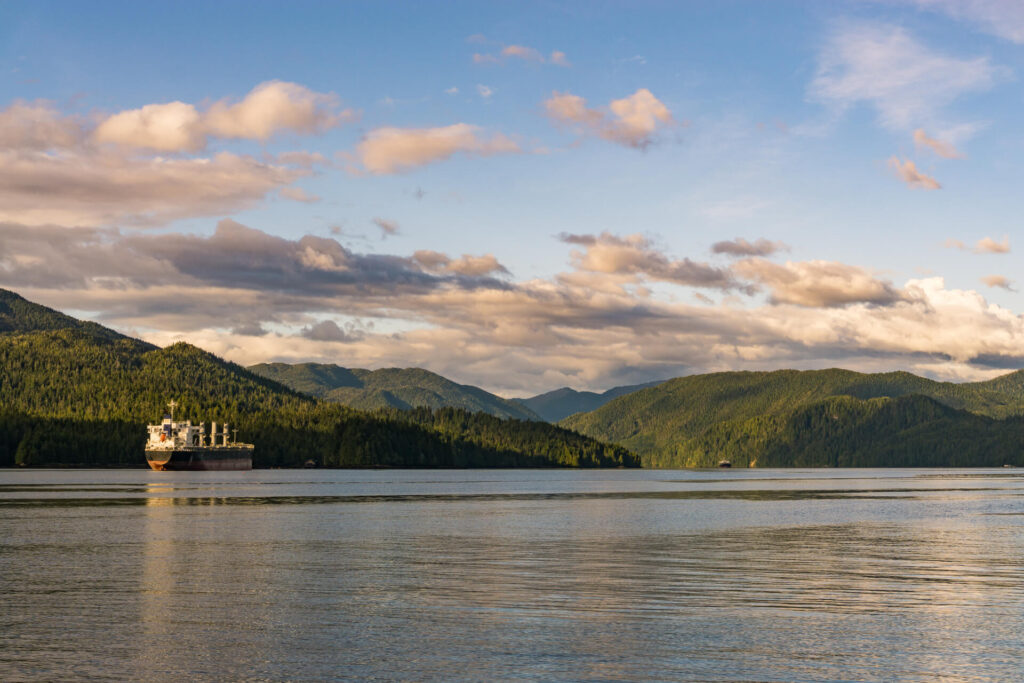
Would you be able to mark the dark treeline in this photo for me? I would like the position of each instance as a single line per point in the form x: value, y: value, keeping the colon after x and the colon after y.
x: 326, y: 436
x: 833, y: 418
x: 843, y: 431
x: 547, y: 442
x: 82, y: 395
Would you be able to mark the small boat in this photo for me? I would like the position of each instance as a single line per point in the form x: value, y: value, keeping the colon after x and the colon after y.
x: 724, y: 463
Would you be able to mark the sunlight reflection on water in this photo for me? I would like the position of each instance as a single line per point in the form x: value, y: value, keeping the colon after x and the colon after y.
x: 597, y: 575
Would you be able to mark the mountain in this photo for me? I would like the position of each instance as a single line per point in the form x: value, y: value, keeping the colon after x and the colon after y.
x: 17, y: 314
x: 561, y: 403
x: 73, y: 392
x: 402, y: 388
x: 823, y: 417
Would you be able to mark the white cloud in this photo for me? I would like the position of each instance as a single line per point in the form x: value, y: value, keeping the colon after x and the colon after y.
x: 631, y: 121
x: 818, y: 283
x: 273, y: 107
x: 269, y: 108
x: 170, y: 127
x: 484, y: 91
x: 905, y: 81
x: 986, y: 245
x: 393, y: 150
x: 1003, y: 18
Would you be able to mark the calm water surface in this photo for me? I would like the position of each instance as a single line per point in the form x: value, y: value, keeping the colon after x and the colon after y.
x: 786, y: 575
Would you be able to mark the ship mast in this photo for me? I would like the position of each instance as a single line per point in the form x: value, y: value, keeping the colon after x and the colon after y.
x: 172, y: 405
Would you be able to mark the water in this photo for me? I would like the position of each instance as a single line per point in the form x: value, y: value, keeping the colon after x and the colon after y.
x: 512, y: 574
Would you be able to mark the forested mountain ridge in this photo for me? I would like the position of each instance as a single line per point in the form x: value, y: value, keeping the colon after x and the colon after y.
x: 18, y: 314
x: 559, y: 404
x: 402, y: 388
x: 756, y: 417
x: 78, y: 393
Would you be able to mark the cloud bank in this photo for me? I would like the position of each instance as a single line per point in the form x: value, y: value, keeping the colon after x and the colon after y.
x: 253, y: 296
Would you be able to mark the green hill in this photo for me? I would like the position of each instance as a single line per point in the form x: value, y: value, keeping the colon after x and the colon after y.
x: 78, y: 393
x: 757, y: 417
x: 401, y: 388
x: 559, y: 404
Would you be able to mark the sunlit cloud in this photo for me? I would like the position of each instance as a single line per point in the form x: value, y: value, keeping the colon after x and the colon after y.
x: 467, y: 264
x: 1000, y: 281
x: 987, y: 245
x: 64, y: 169
x: 269, y: 108
x: 97, y: 188
x: 37, y: 126
x: 520, y: 52
x: 630, y: 121
x: 223, y: 292
x: 297, y: 194
x: 386, y: 227
x: 943, y: 149
x: 907, y: 171
x: 741, y: 247
x: 393, y: 150
x: 818, y: 283
x: 635, y: 255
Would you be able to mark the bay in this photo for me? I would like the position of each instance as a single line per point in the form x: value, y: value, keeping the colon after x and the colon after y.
x: 785, y: 575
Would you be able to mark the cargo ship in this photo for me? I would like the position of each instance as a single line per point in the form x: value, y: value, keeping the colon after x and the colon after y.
x: 186, y: 446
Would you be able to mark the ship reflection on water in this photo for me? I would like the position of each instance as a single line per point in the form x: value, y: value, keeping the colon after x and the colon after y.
x: 513, y: 574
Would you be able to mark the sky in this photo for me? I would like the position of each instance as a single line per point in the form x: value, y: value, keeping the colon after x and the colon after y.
x: 528, y: 195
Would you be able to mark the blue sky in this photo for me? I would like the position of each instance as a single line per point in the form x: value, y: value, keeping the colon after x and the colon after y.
x: 856, y: 163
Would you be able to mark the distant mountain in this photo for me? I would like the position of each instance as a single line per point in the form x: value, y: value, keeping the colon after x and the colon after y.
x: 74, y: 392
x: 402, y: 388
x: 824, y: 417
x: 561, y: 403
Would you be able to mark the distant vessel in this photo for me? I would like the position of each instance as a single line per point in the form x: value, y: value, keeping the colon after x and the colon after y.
x: 185, y: 446
x: 724, y: 463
